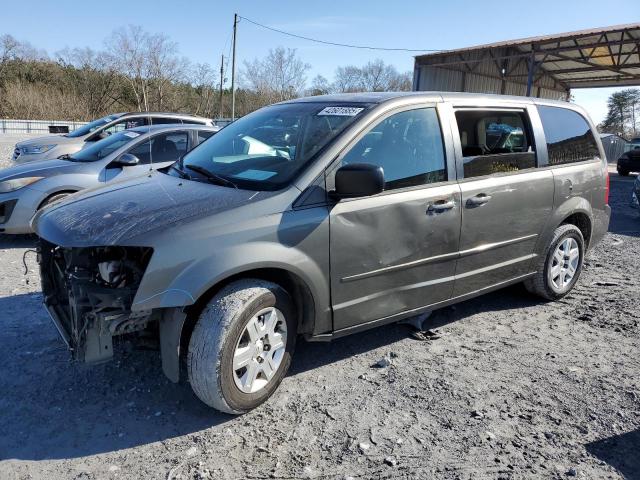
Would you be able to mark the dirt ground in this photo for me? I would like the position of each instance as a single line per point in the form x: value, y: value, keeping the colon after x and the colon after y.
x: 513, y: 388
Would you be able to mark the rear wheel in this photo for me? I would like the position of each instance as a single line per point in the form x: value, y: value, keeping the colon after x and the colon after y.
x: 241, y: 346
x: 559, y: 268
x: 623, y: 172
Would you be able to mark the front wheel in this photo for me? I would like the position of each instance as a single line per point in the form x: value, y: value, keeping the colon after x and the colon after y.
x: 241, y: 346
x: 559, y: 268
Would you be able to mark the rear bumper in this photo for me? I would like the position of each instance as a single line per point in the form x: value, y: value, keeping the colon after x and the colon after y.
x: 600, y: 225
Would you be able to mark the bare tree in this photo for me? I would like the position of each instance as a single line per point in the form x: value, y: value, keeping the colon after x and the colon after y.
x: 375, y: 76
x: 205, y: 80
x: 348, y: 79
x: 92, y: 75
x: 280, y: 76
x: 127, y: 46
x: 319, y: 86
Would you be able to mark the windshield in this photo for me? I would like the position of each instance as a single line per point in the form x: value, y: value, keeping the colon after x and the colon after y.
x: 268, y: 148
x: 90, y: 127
x: 100, y: 149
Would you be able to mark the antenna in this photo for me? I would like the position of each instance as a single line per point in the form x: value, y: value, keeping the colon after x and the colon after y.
x: 150, y: 149
x: 233, y: 69
x: 220, y: 115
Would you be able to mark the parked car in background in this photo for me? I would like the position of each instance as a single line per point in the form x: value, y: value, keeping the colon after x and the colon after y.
x: 629, y: 162
x: 324, y: 217
x: 52, y: 146
x: 25, y: 189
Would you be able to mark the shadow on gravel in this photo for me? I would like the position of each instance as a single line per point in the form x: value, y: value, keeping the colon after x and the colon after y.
x: 312, y: 355
x: 18, y: 241
x: 53, y: 408
x: 621, y: 452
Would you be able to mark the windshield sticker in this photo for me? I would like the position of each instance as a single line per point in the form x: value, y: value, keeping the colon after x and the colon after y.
x: 255, y: 174
x: 131, y: 134
x: 341, y: 111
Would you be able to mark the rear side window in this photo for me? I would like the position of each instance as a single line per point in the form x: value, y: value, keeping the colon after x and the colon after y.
x: 203, y: 135
x: 189, y: 121
x: 408, y: 146
x: 127, y: 124
x: 569, y: 138
x: 495, y: 141
x: 165, y: 120
x: 166, y: 147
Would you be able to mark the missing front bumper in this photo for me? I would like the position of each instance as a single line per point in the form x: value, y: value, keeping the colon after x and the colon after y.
x: 88, y: 294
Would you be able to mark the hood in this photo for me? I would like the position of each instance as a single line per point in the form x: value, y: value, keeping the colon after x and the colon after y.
x: 48, y: 140
x: 41, y: 168
x: 121, y: 211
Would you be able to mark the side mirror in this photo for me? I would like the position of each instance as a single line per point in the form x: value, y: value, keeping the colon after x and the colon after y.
x: 359, y: 180
x: 126, y: 160
x: 101, y: 136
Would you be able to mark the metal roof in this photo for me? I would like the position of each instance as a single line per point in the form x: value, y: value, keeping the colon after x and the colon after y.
x: 597, y: 57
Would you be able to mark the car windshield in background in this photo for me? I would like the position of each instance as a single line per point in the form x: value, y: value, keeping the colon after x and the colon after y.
x: 102, y: 148
x: 90, y: 127
x: 268, y: 148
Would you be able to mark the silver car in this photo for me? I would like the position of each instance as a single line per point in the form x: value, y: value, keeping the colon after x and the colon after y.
x: 52, y: 146
x: 25, y: 189
x: 321, y: 217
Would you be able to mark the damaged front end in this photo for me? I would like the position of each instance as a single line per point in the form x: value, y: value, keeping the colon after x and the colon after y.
x: 88, y: 293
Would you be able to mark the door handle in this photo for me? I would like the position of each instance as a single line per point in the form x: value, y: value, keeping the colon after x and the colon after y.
x: 441, y: 206
x: 478, y: 200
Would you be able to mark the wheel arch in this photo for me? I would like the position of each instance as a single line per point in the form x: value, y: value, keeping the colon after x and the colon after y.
x: 584, y: 223
x: 301, y: 296
x: 53, y: 194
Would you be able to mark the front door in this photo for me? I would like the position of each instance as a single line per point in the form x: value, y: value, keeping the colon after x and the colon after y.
x: 506, y: 199
x: 395, y: 252
x: 156, y: 152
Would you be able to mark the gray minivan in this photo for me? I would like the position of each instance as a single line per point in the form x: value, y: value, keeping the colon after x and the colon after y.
x: 322, y: 217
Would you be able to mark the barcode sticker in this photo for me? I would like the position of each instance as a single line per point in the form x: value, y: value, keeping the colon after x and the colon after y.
x: 341, y: 111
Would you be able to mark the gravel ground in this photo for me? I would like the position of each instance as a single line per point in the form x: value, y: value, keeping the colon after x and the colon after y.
x: 8, y: 143
x: 512, y: 388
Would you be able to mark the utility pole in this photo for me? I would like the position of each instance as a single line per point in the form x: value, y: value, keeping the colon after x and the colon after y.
x: 233, y: 69
x: 221, y: 83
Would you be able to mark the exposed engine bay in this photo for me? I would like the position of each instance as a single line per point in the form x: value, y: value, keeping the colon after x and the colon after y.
x: 89, y: 292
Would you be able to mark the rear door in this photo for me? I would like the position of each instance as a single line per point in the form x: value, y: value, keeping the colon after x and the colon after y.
x: 396, y: 251
x: 506, y: 199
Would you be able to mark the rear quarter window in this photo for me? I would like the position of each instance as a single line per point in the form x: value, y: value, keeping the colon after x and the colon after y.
x: 568, y: 135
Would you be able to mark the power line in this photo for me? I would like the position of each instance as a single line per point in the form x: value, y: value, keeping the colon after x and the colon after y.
x: 362, y: 47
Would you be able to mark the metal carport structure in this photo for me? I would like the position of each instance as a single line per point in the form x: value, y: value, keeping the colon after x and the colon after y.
x: 548, y: 66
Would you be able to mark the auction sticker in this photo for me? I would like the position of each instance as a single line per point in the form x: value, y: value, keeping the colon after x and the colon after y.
x: 341, y: 111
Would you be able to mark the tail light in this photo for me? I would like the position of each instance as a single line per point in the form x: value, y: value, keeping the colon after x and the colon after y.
x: 606, y: 188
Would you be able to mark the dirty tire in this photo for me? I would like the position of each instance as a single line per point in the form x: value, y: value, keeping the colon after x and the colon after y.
x: 216, y: 334
x: 540, y: 283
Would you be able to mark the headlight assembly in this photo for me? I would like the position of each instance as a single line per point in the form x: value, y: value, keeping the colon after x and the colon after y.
x: 36, y: 149
x: 17, y: 183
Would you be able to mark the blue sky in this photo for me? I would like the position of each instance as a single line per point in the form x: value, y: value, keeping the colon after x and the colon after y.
x: 202, y: 28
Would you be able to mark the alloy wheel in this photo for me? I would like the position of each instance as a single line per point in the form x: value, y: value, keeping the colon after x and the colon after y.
x: 260, y: 350
x: 564, y: 264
